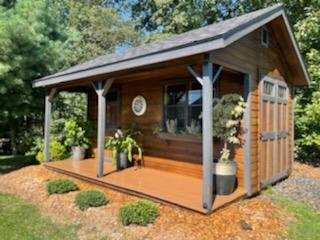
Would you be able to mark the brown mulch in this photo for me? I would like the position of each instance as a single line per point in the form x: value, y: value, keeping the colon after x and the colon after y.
x: 255, y: 218
x: 305, y: 170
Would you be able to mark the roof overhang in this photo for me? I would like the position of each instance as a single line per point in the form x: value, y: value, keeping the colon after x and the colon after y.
x: 198, y: 47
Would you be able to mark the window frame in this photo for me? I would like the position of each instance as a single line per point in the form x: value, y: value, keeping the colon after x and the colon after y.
x: 117, y: 103
x: 188, y: 86
x: 264, y: 30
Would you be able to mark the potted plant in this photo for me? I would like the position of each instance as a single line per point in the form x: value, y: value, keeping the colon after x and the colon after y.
x: 122, y: 147
x: 227, y: 115
x: 76, y: 139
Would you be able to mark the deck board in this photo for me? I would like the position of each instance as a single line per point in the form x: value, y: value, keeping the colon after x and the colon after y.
x: 172, y: 188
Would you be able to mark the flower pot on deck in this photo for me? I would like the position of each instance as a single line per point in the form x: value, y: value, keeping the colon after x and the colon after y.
x: 224, y: 177
x: 78, y: 153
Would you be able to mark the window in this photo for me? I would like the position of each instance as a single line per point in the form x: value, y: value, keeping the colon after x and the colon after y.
x: 264, y: 37
x: 282, y: 92
x: 113, y: 108
x: 183, y: 103
x: 267, y: 88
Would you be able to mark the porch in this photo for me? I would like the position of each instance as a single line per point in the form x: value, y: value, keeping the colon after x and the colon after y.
x: 161, y: 186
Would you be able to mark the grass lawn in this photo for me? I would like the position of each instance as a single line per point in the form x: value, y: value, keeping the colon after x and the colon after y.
x: 11, y: 163
x: 307, y: 225
x: 21, y: 220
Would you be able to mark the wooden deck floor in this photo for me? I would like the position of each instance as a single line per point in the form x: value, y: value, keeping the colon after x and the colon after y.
x: 165, y: 187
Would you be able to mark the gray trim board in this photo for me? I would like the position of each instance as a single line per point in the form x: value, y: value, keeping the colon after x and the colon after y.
x: 47, y: 122
x: 247, y: 138
x: 207, y: 138
x: 195, y: 75
x: 101, y: 88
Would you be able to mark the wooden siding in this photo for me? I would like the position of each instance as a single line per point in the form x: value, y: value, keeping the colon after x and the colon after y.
x: 172, y: 155
x: 248, y: 56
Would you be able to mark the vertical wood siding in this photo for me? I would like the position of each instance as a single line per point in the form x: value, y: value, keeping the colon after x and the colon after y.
x: 248, y: 56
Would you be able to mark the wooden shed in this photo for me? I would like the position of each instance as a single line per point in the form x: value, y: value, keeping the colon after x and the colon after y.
x: 254, y: 55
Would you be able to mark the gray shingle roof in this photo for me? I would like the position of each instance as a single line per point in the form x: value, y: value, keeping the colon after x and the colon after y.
x: 111, y: 62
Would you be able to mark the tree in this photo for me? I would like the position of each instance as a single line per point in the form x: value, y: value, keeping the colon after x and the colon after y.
x: 101, y: 29
x: 307, y: 107
x: 31, y: 46
x: 177, y: 16
x: 40, y: 37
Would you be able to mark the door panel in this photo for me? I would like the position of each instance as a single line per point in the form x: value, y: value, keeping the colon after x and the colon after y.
x: 274, y: 142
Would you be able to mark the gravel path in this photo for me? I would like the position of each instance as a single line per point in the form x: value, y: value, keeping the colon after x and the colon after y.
x: 302, y: 189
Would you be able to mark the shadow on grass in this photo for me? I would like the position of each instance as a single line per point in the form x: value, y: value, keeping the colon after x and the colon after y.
x: 12, y: 163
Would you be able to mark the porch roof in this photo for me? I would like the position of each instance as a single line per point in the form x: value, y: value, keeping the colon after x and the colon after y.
x: 202, y: 40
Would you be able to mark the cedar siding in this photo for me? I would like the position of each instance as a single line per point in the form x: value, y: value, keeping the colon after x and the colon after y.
x: 248, y: 55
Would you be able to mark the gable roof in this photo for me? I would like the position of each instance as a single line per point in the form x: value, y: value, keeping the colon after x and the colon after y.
x: 202, y: 40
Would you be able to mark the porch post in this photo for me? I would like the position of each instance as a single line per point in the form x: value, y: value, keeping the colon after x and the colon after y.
x: 207, y: 138
x: 101, y: 89
x: 48, y: 105
x: 247, y: 132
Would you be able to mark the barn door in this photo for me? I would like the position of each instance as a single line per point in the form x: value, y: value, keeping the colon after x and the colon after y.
x: 274, y: 127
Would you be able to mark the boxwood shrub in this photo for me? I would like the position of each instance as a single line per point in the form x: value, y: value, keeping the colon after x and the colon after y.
x: 90, y: 198
x: 140, y: 213
x: 61, y: 186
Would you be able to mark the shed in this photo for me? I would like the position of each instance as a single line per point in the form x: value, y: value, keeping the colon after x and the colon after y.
x: 254, y: 55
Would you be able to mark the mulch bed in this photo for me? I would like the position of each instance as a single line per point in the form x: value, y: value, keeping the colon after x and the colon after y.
x: 304, y: 170
x: 256, y: 218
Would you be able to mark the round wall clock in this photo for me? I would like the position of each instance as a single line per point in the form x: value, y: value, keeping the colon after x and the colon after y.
x: 139, y: 105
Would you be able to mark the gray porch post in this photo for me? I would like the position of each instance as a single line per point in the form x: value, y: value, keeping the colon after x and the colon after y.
x: 47, y: 122
x: 101, y: 89
x: 207, y: 138
x: 247, y: 136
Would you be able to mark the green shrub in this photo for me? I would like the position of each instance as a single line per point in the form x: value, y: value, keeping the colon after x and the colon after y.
x: 57, y: 152
x: 90, y: 198
x: 61, y: 186
x: 75, y: 134
x: 141, y: 213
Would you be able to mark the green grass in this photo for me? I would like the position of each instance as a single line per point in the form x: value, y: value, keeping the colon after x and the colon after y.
x: 21, y: 220
x: 307, y: 224
x: 11, y: 163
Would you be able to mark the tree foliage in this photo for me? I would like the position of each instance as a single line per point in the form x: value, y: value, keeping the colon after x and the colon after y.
x: 177, y: 16
x: 307, y: 107
x: 40, y: 37
x: 30, y: 47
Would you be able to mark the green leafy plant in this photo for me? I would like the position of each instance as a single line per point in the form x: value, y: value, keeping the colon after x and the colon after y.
x: 227, y: 115
x: 90, y: 198
x: 61, y: 186
x: 76, y: 135
x: 140, y: 213
x: 122, y: 144
x: 57, y: 151
x: 307, y: 125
